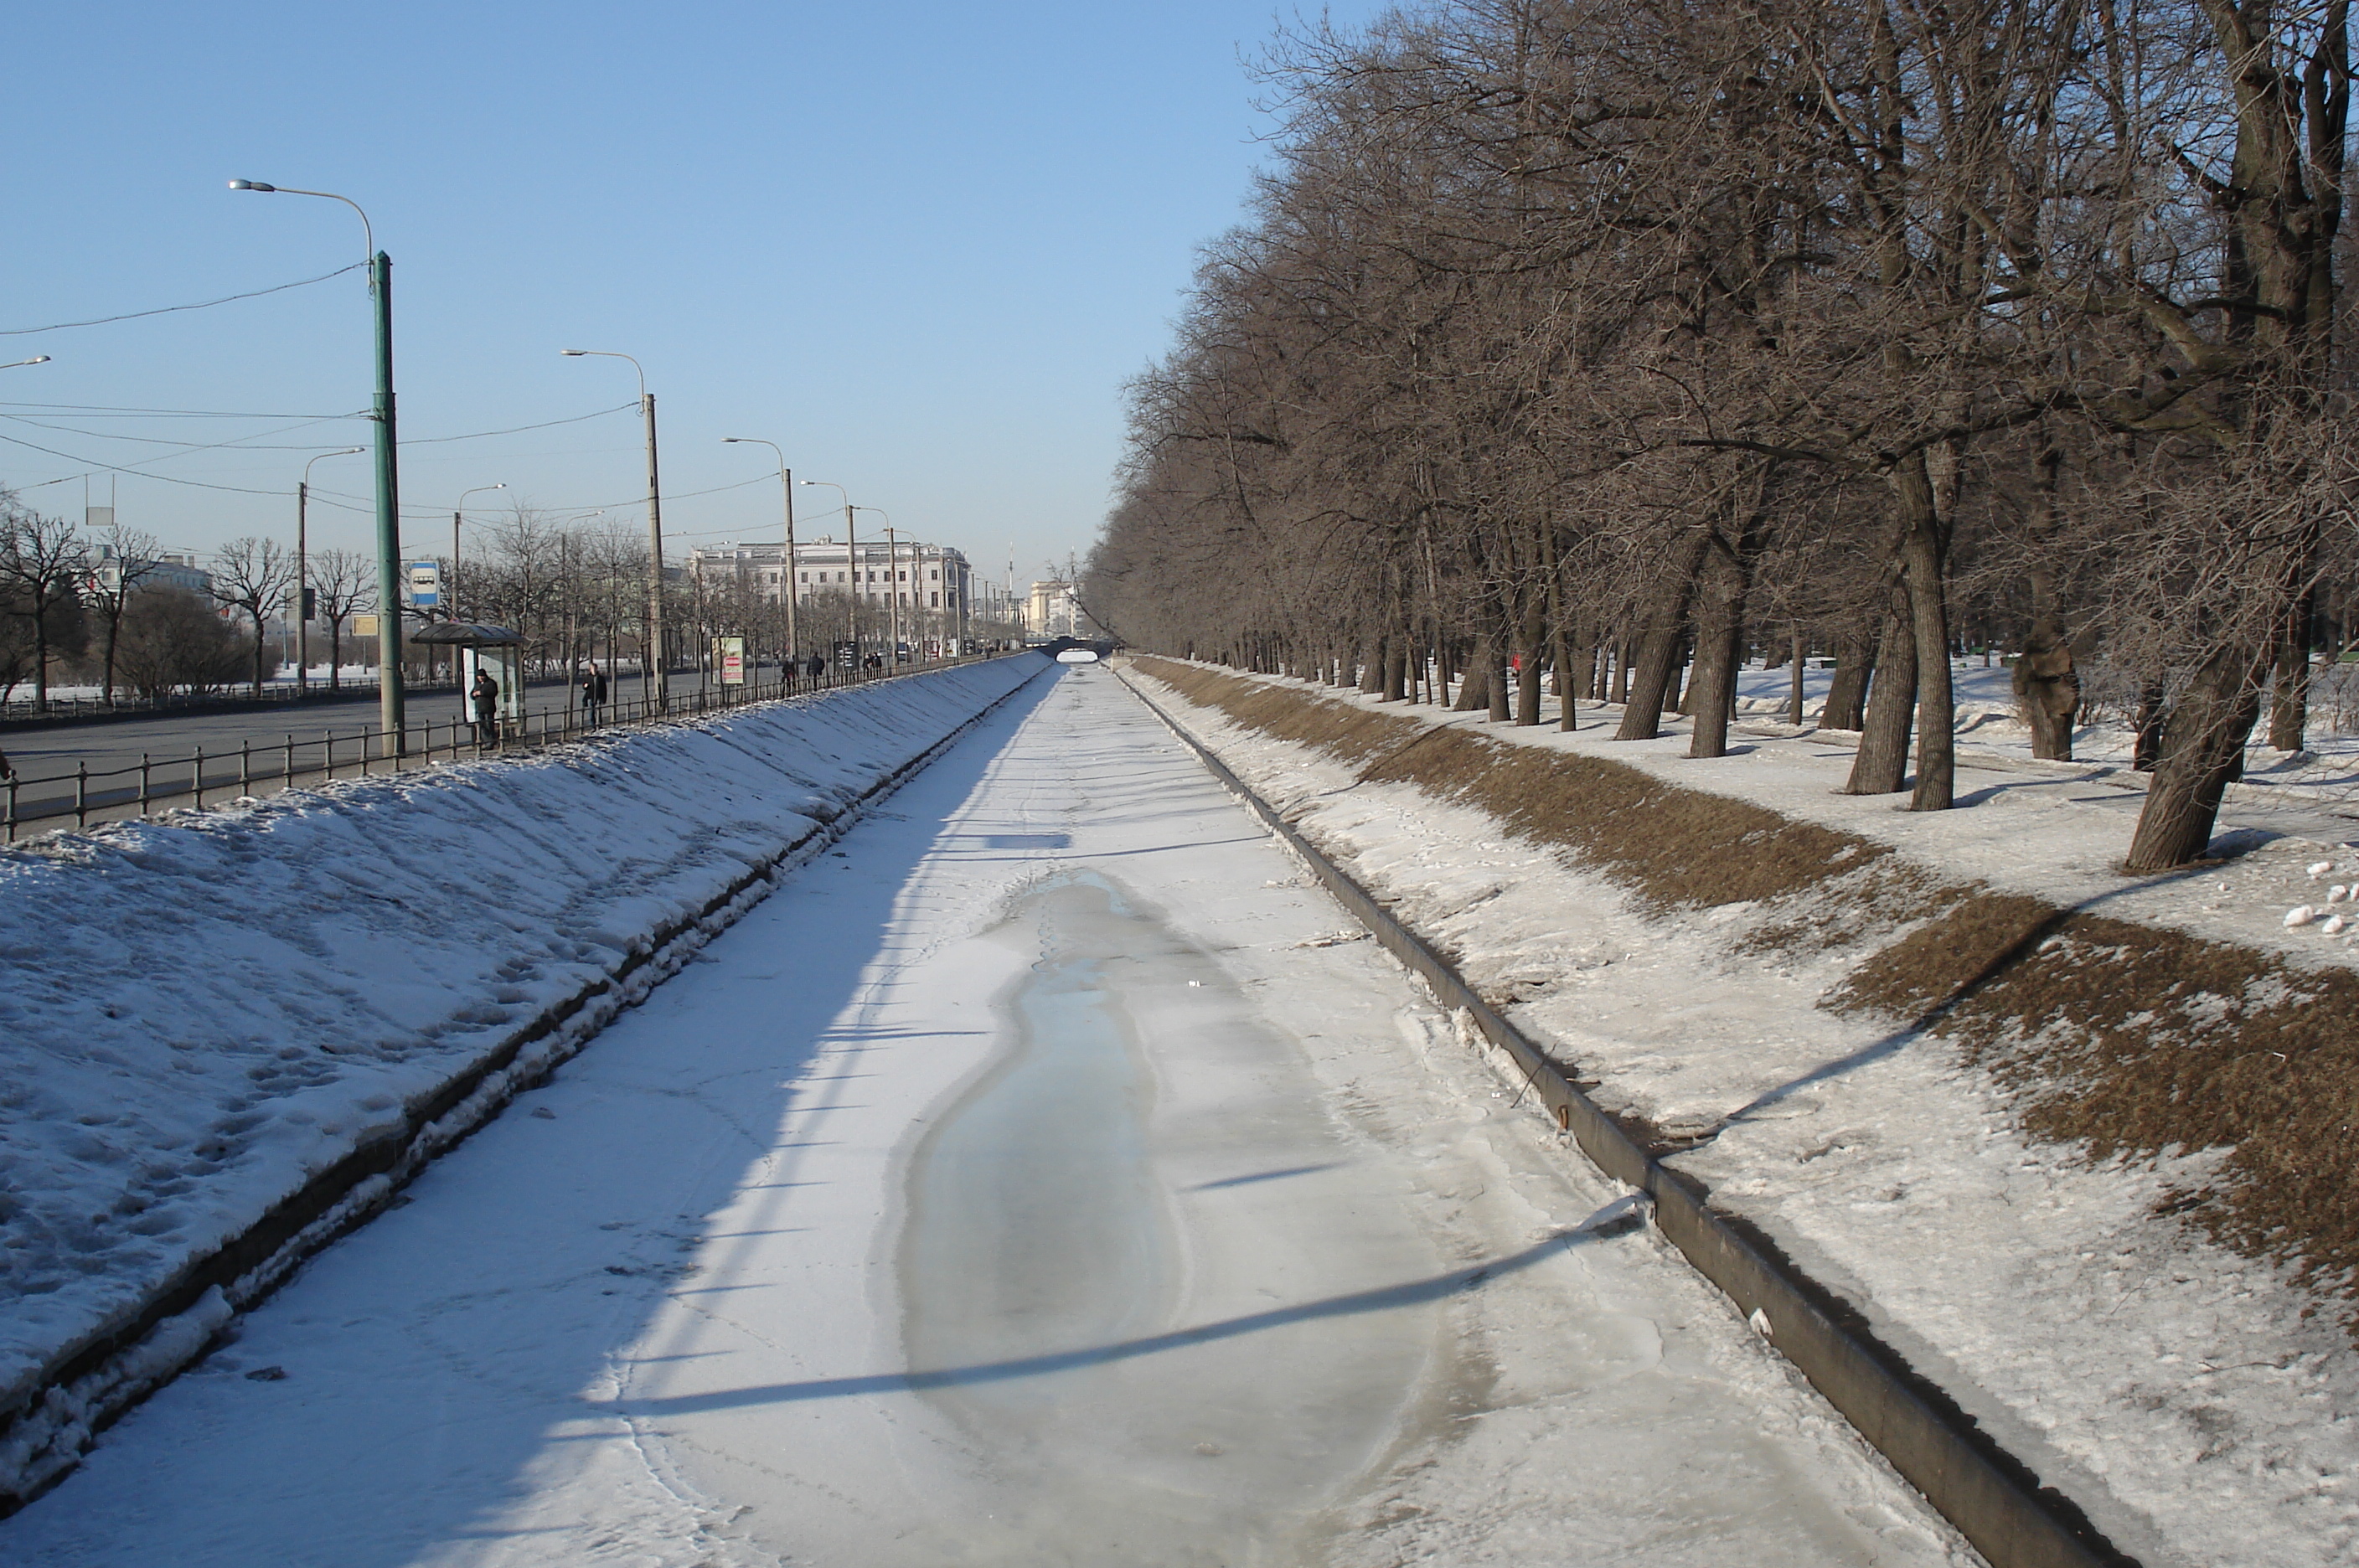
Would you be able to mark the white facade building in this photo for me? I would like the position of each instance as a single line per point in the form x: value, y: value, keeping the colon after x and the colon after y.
x: 920, y: 579
x: 180, y: 572
x: 1053, y: 612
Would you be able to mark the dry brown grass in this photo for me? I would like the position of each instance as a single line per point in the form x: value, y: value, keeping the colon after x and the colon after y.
x: 2123, y: 1039
x: 1674, y: 847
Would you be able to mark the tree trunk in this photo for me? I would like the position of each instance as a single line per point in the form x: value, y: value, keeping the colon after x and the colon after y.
x: 1474, y: 691
x: 2290, y: 691
x: 1528, y: 673
x: 1373, y: 663
x: 2202, y: 750
x: 1882, y: 765
x: 1847, y: 694
x: 113, y: 635
x: 2147, y: 749
x: 1397, y: 669
x: 1663, y: 628
x: 1924, y: 551
x: 1560, y: 638
x: 2047, y: 687
x: 1496, y: 678
x: 1794, y: 699
x: 1720, y: 648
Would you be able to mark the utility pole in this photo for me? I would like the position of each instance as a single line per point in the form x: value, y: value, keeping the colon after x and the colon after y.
x: 302, y: 590
x: 652, y: 683
x: 892, y: 594
x: 852, y: 560
x: 786, y: 578
x: 655, y: 557
x: 892, y: 583
x: 388, y: 478
x: 390, y: 713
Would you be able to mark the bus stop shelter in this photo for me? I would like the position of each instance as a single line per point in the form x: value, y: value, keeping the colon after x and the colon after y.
x: 498, y: 649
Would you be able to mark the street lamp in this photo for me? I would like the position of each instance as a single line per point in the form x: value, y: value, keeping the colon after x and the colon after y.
x: 20, y: 363
x: 786, y: 581
x: 852, y: 560
x: 388, y: 477
x: 303, y: 571
x: 460, y: 505
x: 651, y: 678
x: 892, y: 586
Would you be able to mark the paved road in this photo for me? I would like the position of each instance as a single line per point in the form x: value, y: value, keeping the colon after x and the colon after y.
x: 44, y: 758
x: 1042, y: 1177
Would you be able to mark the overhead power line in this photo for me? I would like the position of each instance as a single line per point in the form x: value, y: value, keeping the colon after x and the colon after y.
x: 168, y: 310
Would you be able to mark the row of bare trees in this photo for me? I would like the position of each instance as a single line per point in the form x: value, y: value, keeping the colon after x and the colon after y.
x: 99, y: 606
x: 1616, y: 337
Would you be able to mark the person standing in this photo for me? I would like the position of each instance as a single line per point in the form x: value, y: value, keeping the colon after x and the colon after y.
x: 487, y: 693
x: 593, y: 693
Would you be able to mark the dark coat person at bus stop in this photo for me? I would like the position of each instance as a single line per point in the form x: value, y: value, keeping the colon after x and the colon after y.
x: 486, y: 693
x: 593, y: 691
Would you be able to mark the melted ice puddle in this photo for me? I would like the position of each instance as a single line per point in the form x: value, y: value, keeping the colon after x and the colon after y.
x: 1139, y: 1271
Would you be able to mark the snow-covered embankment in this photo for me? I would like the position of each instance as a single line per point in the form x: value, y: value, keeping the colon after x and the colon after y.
x: 228, y: 1037
x: 2072, y: 1145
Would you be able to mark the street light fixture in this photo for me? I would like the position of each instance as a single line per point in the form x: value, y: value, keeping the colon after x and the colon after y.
x: 651, y: 679
x: 389, y: 476
x: 303, y: 571
x: 455, y: 509
x: 17, y: 364
x: 851, y: 559
x: 786, y: 580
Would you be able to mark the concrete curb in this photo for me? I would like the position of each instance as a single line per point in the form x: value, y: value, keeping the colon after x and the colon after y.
x: 89, y: 1386
x: 1995, y: 1500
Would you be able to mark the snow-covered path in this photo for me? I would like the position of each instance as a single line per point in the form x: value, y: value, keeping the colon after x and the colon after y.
x: 1043, y: 1177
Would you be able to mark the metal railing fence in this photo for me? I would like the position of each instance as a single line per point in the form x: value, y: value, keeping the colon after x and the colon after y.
x: 89, y: 794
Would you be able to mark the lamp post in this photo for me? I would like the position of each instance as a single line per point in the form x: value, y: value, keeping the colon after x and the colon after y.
x: 303, y: 571
x: 20, y: 363
x: 651, y: 679
x: 892, y: 587
x: 389, y: 476
x: 452, y: 588
x: 852, y: 559
x: 787, y: 576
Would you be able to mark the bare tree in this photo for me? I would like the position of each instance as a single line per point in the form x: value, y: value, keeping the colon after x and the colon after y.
x: 253, y: 575
x: 344, y: 584
x: 127, y: 558
x: 40, y: 563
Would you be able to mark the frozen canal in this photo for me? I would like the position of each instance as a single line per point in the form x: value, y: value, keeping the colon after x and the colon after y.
x: 1040, y: 1178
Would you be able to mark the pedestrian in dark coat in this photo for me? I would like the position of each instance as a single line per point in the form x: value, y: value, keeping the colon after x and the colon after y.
x: 486, y: 693
x: 593, y: 691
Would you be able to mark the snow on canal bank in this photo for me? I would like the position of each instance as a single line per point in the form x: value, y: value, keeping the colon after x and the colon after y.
x: 2200, y: 1406
x: 214, y: 1026
x: 1036, y: 1179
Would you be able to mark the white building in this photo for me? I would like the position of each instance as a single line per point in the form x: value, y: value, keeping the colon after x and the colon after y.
x: 930, y: 577
x: 1053, y: 612
x: 181, y: 571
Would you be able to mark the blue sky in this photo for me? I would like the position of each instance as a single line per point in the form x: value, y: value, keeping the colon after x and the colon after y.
x: 920, y: 246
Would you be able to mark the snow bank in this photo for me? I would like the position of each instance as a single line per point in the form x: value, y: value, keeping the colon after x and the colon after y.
x: 226, y: 1036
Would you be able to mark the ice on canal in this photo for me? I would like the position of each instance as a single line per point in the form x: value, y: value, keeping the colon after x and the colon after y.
x: 1043, y: 1177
